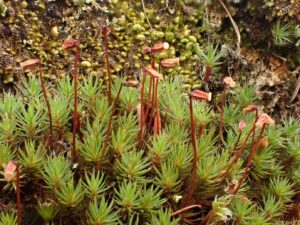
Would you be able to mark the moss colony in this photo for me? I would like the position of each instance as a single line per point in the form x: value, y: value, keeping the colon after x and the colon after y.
x: 149, y: 112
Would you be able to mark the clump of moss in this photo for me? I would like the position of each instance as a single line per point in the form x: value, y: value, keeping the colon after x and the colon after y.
x: 138, y: 185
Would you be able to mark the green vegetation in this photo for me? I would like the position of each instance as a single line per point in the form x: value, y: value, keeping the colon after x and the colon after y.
x: 140, y: 183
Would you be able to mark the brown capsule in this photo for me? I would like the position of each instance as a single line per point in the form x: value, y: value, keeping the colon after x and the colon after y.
x: 170, y: 63
x: 229, y: 82
x: 160, y: 47
x: 242, y: 125
x: 250, y: 108
x: 231, y: 187
x: 153, y: 72
x: 264, y: 119
x: 9, y: 171
x: 131, y: 83
x: 29, y: 63
x: 70, y: 43
x: 201, y: 95
x: 263, y: 144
